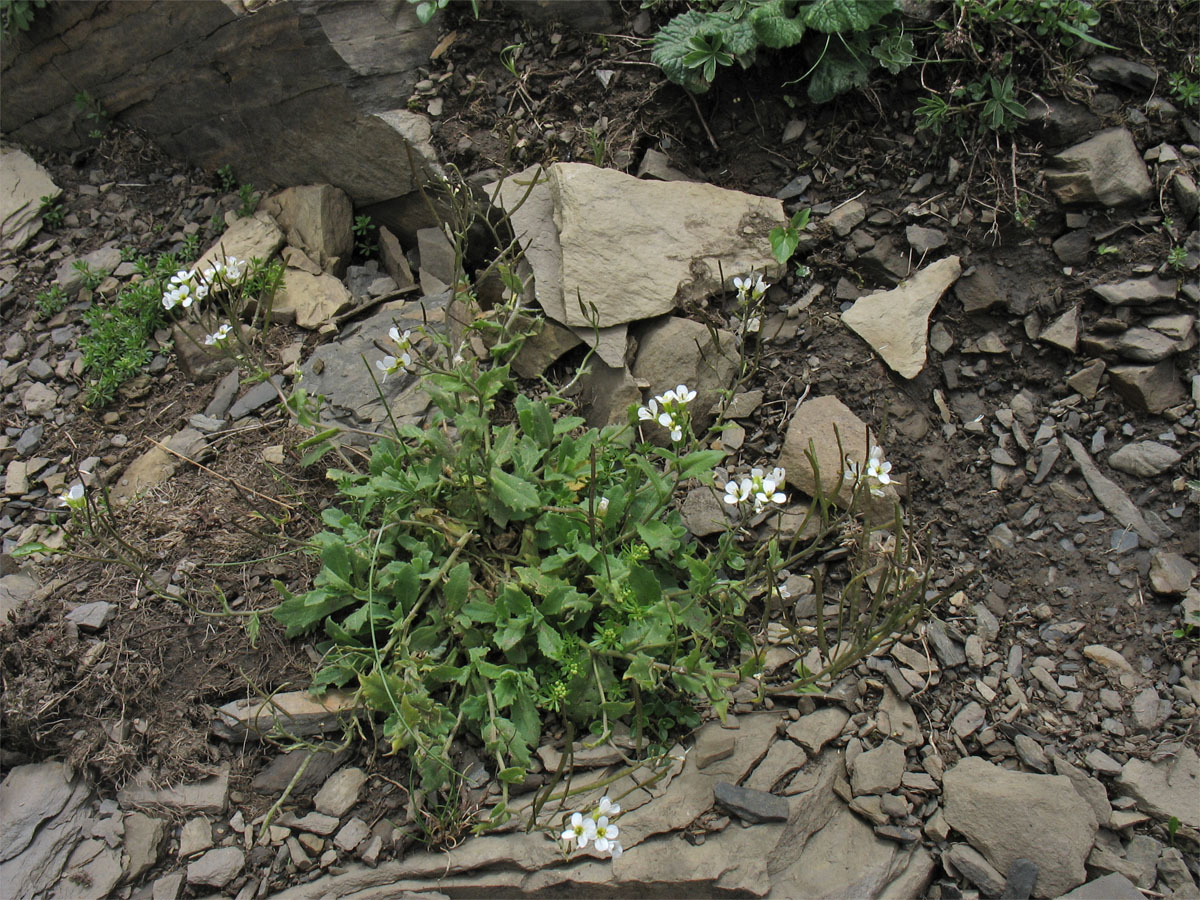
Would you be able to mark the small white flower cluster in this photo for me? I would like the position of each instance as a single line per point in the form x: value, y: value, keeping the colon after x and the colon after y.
x: 390, y: 365
x: 73, y: 498
x: 218, y: 336
x: 186, y: 288
x: 750, y: 288
x: 673, y: 416
x: 595, y: 828
x: 877, y: 474
x: 760, y: 487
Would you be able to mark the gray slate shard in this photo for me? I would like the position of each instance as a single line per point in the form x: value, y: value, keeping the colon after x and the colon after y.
x: 750, y: 805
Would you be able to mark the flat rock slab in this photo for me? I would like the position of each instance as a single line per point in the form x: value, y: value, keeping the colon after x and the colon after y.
x: 636, y: 248
x: 1167, y: 788
x: 1008, y: 816
x: 293, y: 712
x: 207, y: 796
x: 28, y: 797
x: 23, y: 184
x: 1106, y: 169
x: 750, y: 805
x: 896, y: 323
x: 1109, y: 494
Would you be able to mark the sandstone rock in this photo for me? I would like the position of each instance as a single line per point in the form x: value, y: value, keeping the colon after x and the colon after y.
x: 1073, y: 248
x: 1170, y: 573
x: 39, y: 400
x: 1007, y: 815
x: 1064, y: 331
x: 437, y: 260
x: 1144, y: 459
x: 92, y: 616
x: 923, y: 240
x: 1107, y: 887
x: 977, y: 870
x: 842, y: 859
x: 195, y: 837
x: 152, y: 468
x: 702, y: 513
x: 1186, y: 194
x: 713, y: 744
x: 846, y: 217
x: 340, y: 791
x: 824, y: 421
x: 634, y: 249
x: 317, y: 219
x: 1105, y: 169
x: 1150, y: 389
x: 545, y: 347
x: 92, y: 871
x: 682, y: 351
x: 23, y: 184
x: 15, y: 590
x: 782, y: 760
x: 143, y: 837
x: 1124, y: 72
x: 1087, y: 380
x: 750, y: 805
x: 29, y: 796
x: 207, y: 796
x: 1167, y: 788
x: 895, y: 323
x: 309, y: 300
x: 878, y: 771
x: 216, y: 868
x: 979, y: 291
x: 391, y: 254
x: 278, y: 774
x: 1109, y: 494
x: 1107, y: 657
x: 1144, y: 345
x: 253, y: 237
x: 1136, y: 291
x: 1059, y: 122
x: 35, y: 862
x: 296, y: 713
x: 817, y: 729
x: 607, y: 394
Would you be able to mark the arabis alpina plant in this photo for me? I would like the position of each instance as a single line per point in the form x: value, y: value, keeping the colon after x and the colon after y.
x: 762, y: 488
x: 219, y: 336
x: 877, y: 473
x: 597, y: 828
x: 673, y: 416
x: 579, y: 832
x: 73, y: 498
x: 183, y: 290
x: 390, y: 365
x: 750, y: 288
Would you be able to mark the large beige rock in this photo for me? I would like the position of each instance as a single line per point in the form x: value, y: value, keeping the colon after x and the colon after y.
x: 254, y: 237
x: 1009, y: 815
x: 309, y: 300
x: 896, y: 323
x: 23, y: 184
x: 635, y: 249
x: 825, y: 421
x: 296, y: 713
x: 318, y: 219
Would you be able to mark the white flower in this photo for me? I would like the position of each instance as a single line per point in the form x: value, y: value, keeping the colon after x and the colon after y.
x: 605, y: 834
x: 606, y: 808
x: 738, y: 493
x: 73, y: 497
x: 616, y: 849
x: 389, y: 365
x: 750, y: 288
x: 601, y: 509
x: 753, y: 325
x: 760, y: 288
x: 580, y: 831
x: 403, y: 341
x: 779, y: 476
x: 218, y: 336
x: 743, y: 286
x: 649, y: 412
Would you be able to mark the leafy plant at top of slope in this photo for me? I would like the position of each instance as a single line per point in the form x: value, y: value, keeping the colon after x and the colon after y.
x: 844, y: 40
x: 17, y: 15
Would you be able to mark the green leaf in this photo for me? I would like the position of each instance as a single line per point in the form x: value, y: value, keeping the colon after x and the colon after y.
x: 841, y: 16
x: 657, y: 535
x: 837, y: 72
x: 645, y: 586
x: 700, y: 462
x: 894, y: 52
x: 775, y: 25
x: 512, y: 775
x: 784, y: 242
x: 30, y: 549
x: 454, y: 592
x: 382, y: 690
x: 550, y: 642
x: 535, y: 420
x: 517, y: 494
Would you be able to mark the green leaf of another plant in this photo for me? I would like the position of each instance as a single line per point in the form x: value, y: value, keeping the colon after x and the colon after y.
x: 841, y: 16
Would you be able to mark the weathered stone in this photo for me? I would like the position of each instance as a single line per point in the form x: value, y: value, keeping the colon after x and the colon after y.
x: 1007, y: 815
x: 23, y: 184
x: 1144, y: 345
x: 340, y: 791
x: 1105, y: 169
x: 207, y: 796
x: 309, y: 300
x: 979, y: 291
x: 750, y: 805
x: 1058, y: 122
x: 844, y: 858
x: 1145, y: 459
x: 923, y: 240
x: 682, y: 351
x: 39, y: 400
x: 1124, y: 72
x: 582, y: 757
x: 1022, y: 876
x: 437, y: 261
x: 702, y: 513
x: 1109, y: 494
x: 1073, y: 248
x: 969, y: 719
x: 827, y: 422
x: 35, y: 863
x: 314, y: 822
x: 15, y: 590
x: 216, y: 868
x: 317, y: 219
x: 1149, y: 389
x: 391, y: 254
x: 1170, y: 573
x: 195, y: 837
x: 878, y: 771
x: 817, y: 729
x: 542, y: 349
x: 1107, y: 887
x: 1136, y: 291
x: 169, y: 886
x: 200, y: 362
x: 92, y: 616
x: 608, y: 393
x: 846, y: 217
x: 1064, y: 331
x: 152, y: 468
x: 29, y: 796
x: 92, y: 871
x: 143, y: 837
x: 296, y: 713
x: 668, y: 238
x: 977, y: 870
x: 352, y: 834
x: 253, y: 237
x: 781, y: 761
x: 1167, y: 788
x: 713, y: 743
x: 895, y: 323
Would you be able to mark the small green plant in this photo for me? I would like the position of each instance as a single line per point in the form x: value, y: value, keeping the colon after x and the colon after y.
x: 427, y: 9
x: 52, y: 212
x: 508, y: 59
x: 1177, y: 258
x: 992, y: 101
x: 1067, y: 21
x: 50, y: 302
x: 1172, y: 829
x: 597, y: 146
x: 227, y: 179
x: 365, y: 232
x: 1189, y: 630
x: 249, y: 201
x: 17, y: 15
x: 91, y: 280
x: 1108, y: 250
x: 216, y: 225
x: 1185, y: 90
x: 785, y: 239
x: 93, y: 112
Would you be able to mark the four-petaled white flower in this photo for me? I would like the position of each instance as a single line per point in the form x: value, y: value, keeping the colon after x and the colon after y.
x: 601, y: 509
x: 649, y: 412
x: 402, y: 341
x: 674, y: 410
x: 876, y: 473
x: 389, y: 365
x: 183, y: 290
x: 736, y: 493
x: 580, y: 831
x: 606, y: 834
x: 751, y: 287
x: 764, y: 488
x: 73, y: 497
x: 218, y: 336
x: 606, y: 808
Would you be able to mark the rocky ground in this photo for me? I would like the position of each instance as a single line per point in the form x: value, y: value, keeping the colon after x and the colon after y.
x: 1035, y: 385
